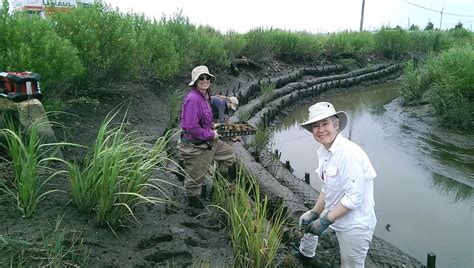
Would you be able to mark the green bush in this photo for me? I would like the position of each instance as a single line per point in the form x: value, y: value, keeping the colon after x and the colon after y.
x: 106, y: 42
x: 416, y: 83
x: 453, y: 93
x: 159, y: 59
x: 260, y: 45
x: 234, y: 44
x: 27, y: 43
x: 356, y: 44
x: 391, y: 43
x: 296, y: 46
x: 195, y: 46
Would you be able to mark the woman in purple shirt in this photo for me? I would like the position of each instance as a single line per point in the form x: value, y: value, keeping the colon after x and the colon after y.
x: 199, y: 142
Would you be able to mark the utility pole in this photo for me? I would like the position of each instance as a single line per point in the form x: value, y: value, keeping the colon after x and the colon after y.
x: 441, y: 19
x: 362, y: 16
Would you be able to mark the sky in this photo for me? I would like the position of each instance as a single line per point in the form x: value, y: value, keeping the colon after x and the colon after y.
x: 315, y: 16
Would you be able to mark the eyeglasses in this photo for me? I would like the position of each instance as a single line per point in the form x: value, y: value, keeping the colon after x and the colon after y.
x: 207, y: 77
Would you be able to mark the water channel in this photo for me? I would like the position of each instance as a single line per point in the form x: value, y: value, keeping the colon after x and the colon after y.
x: 425, y: 173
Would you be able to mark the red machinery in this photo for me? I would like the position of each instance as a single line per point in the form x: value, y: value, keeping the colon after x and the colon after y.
x: 20, y: 86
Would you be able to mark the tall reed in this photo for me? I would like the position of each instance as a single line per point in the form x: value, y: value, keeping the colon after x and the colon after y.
x: 116, y: 173
x: 416, y: 83
x: 267, y: 90
x: 244, y: 114
x: 256, y: 235
x: 261, y: 138
x: 28, y: 156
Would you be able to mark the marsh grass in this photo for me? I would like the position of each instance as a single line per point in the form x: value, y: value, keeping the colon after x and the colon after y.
x: 55, y: 249
x: 116, y: 172
x: 30, y: 158
x: 256, y: 235
x: 61, y: 250
x: 453, y: 91
x: 244, y: 115
x: 173, y: 108
x: 261, y: 140
x: 267, y: 90
x: 416, y: 83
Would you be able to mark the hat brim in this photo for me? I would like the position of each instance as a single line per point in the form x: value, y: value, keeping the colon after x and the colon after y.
x: 233, y: 106
x: 308, y: 125
x: 197, y: 77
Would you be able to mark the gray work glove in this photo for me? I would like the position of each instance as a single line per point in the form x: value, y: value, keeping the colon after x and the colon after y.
x: 308, y: 217
x: 318, y: 226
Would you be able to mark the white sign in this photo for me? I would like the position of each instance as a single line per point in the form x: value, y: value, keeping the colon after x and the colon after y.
x: 18, y: 4
x: 59, y: 3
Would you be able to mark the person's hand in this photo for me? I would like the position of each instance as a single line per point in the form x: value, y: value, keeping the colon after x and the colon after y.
x: 308, y: 217
x: 318, y: 226
x: 216, y: 135
x: 217, y: 126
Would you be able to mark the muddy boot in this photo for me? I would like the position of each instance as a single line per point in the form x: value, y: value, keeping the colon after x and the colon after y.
x: 232, y: 173
x: 195, y: 202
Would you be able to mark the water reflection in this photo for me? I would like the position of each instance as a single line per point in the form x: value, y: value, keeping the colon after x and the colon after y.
x: 452, y: 188
x: 425, y: 174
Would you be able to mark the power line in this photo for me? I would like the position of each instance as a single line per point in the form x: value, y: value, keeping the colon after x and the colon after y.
x: 445, y: 13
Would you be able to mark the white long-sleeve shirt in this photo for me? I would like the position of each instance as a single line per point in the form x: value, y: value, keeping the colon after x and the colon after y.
x: 347, y: 175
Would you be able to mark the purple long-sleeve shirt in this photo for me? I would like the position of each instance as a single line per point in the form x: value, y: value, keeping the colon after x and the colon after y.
x: 196, y: 117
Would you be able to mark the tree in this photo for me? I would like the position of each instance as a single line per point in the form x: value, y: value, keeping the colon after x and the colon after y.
x: 458, y: 26
x: 414, y: 27
x: 429, y: 26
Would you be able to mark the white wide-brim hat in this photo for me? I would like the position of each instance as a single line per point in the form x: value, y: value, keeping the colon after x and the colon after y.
x: 197, y: 72
x: 234, y: 103
x: 322, y: 110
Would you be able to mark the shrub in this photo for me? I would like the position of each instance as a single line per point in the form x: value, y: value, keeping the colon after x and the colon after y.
x: 453, y: 93
x: 355, y: 44
x: 158, y: 57
x: 391, y: 43
x: 106, y: 42
x: 259, y: 44
x: 27, y: 43
x: 416, y: 83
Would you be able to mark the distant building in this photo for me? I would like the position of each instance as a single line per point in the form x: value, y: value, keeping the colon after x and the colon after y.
x: 46, y: 7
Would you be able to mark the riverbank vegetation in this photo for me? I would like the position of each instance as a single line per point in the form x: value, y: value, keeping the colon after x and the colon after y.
x: 256, y: 233
x: 87, y: 48
x: 446, y: 81
x: 79, y: 51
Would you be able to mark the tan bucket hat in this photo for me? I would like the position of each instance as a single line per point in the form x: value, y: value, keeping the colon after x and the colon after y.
x: 197, y: 71
x: 234, y: 103
x: 322, y: 110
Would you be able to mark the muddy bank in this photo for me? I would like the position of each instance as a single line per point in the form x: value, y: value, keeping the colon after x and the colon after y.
x: 279, y: 183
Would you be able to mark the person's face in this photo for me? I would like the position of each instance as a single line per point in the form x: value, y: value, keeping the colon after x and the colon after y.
x: 203, y: 82
x: 325, y: 131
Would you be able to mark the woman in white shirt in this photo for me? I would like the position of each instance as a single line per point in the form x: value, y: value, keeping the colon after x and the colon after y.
x: 346, y: 202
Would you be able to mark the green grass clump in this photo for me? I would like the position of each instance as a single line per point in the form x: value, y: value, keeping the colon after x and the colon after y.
x: 261, y: 139
x: 256, y: 235
x: 267, y: 90
x: 55, y: 248
x: 416, y: 83
x: 453, y: 92
x: 28, y: 155
x: 244, y: 114
x: 114, y: 175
